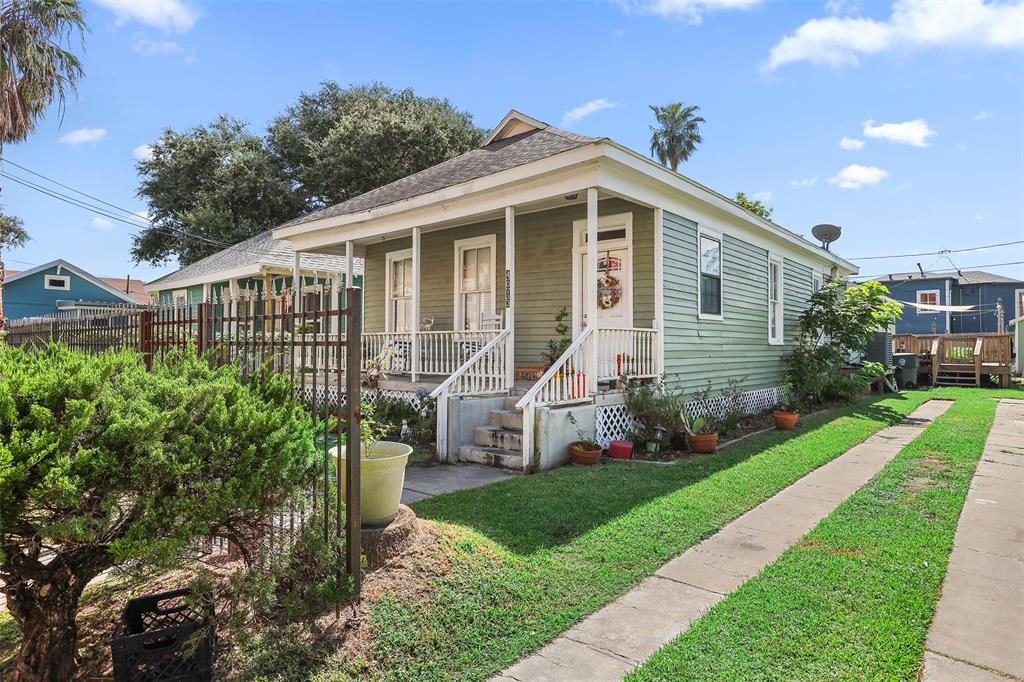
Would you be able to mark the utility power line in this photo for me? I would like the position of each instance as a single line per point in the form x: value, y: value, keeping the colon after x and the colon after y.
x: 943, y: 252
x: 135, y: 220
x: 138, y: 222
x: 941, y: 272
x: 76, y: 191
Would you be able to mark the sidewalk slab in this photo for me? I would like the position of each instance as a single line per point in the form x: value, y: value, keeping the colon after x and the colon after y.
x: 614, y: 640
x: 979, y: 620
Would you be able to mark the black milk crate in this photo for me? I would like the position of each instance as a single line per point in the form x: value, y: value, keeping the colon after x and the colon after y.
x: 157, y: 640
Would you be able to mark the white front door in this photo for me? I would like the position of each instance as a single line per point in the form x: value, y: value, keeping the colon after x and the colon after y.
x: 612, y: 285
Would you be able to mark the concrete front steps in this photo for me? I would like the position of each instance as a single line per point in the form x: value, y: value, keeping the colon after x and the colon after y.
x: 499, y: 443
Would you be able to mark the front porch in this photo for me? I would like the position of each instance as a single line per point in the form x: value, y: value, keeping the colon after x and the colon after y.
x: 471, y: 311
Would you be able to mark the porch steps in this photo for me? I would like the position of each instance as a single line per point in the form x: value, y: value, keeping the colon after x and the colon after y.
x: 500, y: 443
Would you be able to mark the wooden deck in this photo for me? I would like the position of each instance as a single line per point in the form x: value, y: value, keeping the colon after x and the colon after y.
x: 960, y: 359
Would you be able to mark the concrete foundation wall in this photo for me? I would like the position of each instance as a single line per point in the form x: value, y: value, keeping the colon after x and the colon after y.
x: 554, y: 432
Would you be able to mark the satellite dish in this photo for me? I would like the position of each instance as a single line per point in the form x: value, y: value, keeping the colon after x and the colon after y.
x: 826, y: 233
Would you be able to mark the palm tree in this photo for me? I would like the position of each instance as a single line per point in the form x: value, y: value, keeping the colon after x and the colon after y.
x: 36, y: 68
x: 677, y: 133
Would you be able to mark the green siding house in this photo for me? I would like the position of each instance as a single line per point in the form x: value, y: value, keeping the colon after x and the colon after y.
x: 468, y: 263
x: 258, y: 264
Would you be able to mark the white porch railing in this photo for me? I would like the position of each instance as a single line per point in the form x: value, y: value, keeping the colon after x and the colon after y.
x: 484, y: 373
x: 564, y: 383
x: 628, y: 351
x: 440, y: 353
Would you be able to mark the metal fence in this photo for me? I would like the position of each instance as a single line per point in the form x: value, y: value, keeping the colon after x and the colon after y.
x: 261, y: 334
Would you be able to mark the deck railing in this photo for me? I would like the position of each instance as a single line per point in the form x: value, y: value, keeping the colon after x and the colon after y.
x: 630, y: 351
x: 564, y: 383
x: 434, y: 353
x: 483, y: 373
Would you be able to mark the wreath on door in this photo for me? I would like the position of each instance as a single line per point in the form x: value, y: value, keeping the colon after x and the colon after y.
x: 609, y: 291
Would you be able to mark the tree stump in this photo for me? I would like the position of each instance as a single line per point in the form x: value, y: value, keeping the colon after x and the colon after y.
x: 380, y: 545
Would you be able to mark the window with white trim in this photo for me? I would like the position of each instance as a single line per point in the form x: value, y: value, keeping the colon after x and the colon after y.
x: 399, y: 292
x: 709, y: 293
x: 927, y: 297
x: 817, y: 282
x: 474, y: 281
x: 57, y: 282
x: 776, y: 316
x: 1018, y: 298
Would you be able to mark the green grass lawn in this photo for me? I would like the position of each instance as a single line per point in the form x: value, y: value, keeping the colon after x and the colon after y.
x: 530, y: 556
x: 527, y: 558
x: 852, y: 600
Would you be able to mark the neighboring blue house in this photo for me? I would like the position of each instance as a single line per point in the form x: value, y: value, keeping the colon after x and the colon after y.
x: 59, y: 286
x: 981, y: 290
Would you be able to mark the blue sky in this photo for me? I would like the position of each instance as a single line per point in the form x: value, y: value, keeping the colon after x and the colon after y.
x: 929, y: 96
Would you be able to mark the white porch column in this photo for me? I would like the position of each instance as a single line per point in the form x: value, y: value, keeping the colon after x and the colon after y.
x: 589, y: 286
x: 232, y: 305
x: 336, y: 303
x: 297, y: 283
x: 415, y: 302
x: 659, y: 290
x: 510, y: 295
x: 350, y: 266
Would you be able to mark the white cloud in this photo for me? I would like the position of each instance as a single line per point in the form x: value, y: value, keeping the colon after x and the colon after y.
x: 767, y: 195
x: 101, y: 224
x: 914, y: 132
x: 979, y: 217
x: 687, y: 10
x: 155, y: 48
x: 913, y: 25
x: 82, y: 135
x: 856, y: 176
x: 169, y: 15
x: 805, y: 182
x: 851, y: 144
x: 581, y: 112
x: 144, y: 152
x: 983, y: 115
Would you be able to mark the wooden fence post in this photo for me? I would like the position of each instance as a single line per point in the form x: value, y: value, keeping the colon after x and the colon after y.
x: 146, y: 337
x: 201, y: 328
x: 353, y: 340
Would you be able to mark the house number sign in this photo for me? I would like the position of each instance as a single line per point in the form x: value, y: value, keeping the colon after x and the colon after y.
x: 508, y: 288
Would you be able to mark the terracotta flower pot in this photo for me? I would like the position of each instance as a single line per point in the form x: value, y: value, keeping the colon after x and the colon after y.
x: 785, y: 419
x: 584, y: 454
x: 702, y: 443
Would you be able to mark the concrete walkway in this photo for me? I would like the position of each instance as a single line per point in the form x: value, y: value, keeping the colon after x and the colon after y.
x: 422, y: 482
x: 613, y: 641
x: 978, y: 630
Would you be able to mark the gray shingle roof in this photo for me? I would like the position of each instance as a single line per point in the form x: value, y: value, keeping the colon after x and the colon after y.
x: 964, y: 277
x: 262, y: 249
x: 495, y: 157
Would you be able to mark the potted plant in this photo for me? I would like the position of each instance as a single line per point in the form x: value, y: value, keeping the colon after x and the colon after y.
x: 583, y: 451
x: 381, y: 471
x: 557, y: 346
x: 375, y: 367
x: 786, y: 411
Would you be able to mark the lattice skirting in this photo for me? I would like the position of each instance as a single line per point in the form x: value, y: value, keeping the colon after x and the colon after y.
x: 371, y: 395
x: 614, y: 422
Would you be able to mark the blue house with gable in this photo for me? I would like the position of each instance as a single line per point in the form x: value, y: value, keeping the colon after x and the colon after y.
x: 59, y: 286
x: 983, y: 291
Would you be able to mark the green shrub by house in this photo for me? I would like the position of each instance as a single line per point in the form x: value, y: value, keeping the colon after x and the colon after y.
x: 102, y: 462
